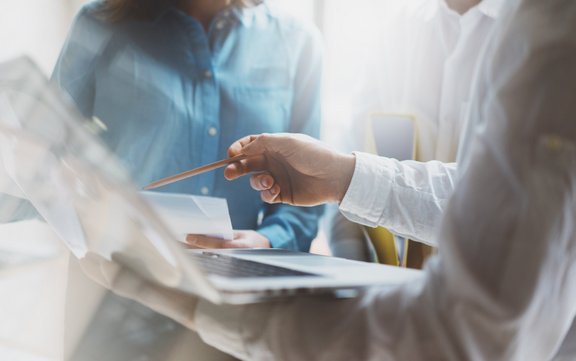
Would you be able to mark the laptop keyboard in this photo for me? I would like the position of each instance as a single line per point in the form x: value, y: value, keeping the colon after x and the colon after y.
x: 226, y: 266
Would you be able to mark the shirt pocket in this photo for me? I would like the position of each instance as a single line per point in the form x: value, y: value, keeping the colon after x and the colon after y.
x: 261, y: 110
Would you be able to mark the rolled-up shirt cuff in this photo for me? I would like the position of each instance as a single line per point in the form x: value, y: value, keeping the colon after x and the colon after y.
x: 369, y: 189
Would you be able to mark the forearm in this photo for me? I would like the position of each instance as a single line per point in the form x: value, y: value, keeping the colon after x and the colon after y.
x: 501, y: 275
x: 75, y: 68
x: 407, y: 197
x: 290, y: 227
x: 504, y: 285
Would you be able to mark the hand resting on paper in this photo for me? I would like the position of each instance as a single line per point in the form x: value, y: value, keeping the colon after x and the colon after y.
x: 242, y: 239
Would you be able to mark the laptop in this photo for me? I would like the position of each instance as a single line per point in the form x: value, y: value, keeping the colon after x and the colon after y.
x: 58, y: 162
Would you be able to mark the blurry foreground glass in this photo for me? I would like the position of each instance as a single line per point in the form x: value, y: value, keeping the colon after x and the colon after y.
x: 51, y: 157
x: 55, y: 172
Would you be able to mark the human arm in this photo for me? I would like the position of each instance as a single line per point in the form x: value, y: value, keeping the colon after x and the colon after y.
x: 412, y: 198
x: 310, y: 173
x: 75, y: 68
x: 292, y: 168
x: 241, y: 239
x: 504, y: 285
x: 288, y: 228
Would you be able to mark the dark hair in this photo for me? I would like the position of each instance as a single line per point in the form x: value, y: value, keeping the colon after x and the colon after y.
x: 118, y: 10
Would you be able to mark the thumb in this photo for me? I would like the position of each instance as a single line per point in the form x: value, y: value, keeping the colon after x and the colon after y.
x: 251, y: 146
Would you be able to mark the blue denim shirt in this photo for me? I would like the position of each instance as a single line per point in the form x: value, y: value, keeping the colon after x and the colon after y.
x: 174, y: 96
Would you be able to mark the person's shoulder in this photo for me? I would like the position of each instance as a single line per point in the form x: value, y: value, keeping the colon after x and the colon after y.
x: 92, y: 11
x: 91, y: 20
x: 90, y: 29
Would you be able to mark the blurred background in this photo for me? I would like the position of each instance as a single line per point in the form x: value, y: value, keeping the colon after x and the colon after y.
x: 33, y: 263
x: 38, y: 28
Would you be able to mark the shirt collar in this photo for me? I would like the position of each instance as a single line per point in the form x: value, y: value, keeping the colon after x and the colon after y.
x: 246, y: 15
x: 491, y: 8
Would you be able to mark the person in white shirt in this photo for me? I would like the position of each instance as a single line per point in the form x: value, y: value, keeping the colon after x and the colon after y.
x: 423, y: 65
x: 504, y: 284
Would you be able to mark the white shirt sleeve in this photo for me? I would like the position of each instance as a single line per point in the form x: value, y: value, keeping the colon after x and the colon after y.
x: 407, y: 197
x: 504, y: 285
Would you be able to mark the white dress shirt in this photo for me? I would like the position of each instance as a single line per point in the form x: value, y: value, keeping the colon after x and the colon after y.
x: 504, y: 285
x: 424, y: 65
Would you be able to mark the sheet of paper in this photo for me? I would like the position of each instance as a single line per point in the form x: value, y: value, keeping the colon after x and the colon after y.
x: 187, y: 214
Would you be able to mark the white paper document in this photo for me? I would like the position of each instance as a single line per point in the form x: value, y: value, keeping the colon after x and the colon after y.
x: 186, y: 214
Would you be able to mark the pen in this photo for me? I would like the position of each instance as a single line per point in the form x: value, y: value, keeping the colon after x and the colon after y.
x: 193, y: 172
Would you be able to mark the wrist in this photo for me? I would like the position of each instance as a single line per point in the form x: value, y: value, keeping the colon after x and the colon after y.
x: 346, y: 165
x: 264, y: 240
x: 274, y: 233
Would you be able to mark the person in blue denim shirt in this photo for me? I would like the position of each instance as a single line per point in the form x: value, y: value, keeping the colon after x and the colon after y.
x: 176, y: 82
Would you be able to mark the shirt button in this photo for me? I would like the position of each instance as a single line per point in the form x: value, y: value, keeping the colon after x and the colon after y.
x: 207, y: 74
x: 204, y: 190
x: 212, y: 131
x: 220, y: 24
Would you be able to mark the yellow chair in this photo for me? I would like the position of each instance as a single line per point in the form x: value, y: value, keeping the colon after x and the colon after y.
x: 384, y: 244
x: 394, y: 136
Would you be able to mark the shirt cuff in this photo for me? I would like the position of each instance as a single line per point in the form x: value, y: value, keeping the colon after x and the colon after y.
x: 369, y: 189
x: 277, y: 236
